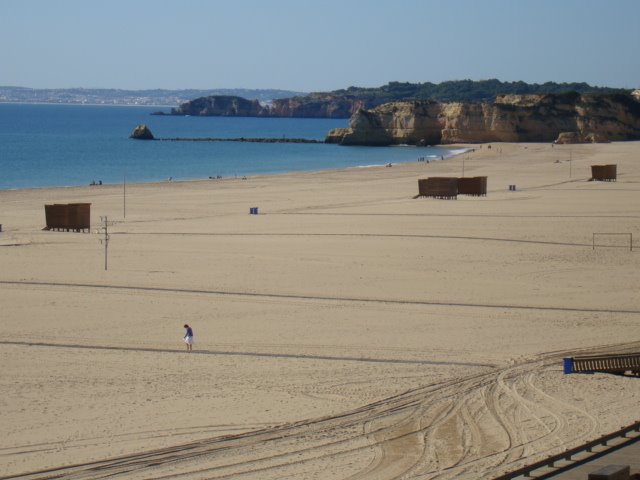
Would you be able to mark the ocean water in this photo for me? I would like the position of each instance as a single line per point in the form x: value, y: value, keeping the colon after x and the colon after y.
x: 70, y: 145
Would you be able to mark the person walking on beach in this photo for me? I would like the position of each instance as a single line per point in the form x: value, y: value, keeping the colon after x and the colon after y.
x: 188, y: 337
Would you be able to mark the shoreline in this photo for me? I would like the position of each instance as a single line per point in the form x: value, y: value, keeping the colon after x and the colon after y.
x: 460, y: 149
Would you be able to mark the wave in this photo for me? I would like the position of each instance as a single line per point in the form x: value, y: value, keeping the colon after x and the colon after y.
x: 457, y: 151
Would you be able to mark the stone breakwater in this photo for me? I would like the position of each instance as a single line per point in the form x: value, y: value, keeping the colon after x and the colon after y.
x: 142, y: 132
x: 243, y: 139
x: 510, y: 118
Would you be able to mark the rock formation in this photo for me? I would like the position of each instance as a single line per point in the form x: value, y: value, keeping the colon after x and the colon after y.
x: 221, y: 106
x: 311, y: 106
x: 511, y: 118
x: 141, y: 132
x: 317, y: 106
x: 568, y: 137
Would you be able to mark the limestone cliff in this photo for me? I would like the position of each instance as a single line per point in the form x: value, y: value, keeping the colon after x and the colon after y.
x: 511, y: 118
x: 317, y: 106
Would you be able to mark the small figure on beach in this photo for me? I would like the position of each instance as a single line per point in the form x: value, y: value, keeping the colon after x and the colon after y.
x: 188, y: 337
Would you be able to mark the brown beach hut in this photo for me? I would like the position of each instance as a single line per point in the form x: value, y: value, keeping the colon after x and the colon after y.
x: 56, y: 217
x: 604, y: 173
x: 68, y: 217
x: 438, y: 187
x: 476, y: 186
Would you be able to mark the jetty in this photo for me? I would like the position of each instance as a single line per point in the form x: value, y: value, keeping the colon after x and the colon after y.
x: 243, y: 139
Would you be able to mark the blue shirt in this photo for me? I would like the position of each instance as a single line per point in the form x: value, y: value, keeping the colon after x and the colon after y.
x: 189, y: 333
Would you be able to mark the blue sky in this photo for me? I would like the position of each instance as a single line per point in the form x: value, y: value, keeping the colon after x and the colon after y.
x: 314, y: 45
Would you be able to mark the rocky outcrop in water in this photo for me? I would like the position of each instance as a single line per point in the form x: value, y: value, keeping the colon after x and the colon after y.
x: 511, y: 118
x: 141, y: 132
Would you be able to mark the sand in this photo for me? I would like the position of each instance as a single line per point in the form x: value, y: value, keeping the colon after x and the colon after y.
x: 347, y: 331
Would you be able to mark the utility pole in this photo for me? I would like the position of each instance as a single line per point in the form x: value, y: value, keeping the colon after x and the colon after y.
x: 105, y: 240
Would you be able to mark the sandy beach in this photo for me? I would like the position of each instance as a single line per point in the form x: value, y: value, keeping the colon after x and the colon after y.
x: 348, y: 331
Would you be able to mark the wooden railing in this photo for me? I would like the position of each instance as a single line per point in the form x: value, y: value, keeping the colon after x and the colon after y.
x: 550, y: 464
x: 603, y: 363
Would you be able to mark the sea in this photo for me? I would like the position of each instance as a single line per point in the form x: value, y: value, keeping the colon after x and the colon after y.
x: 44, y: 145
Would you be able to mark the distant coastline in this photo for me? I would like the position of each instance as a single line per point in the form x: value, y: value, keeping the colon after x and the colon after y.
x: 340, y: 103
x: 61, y: 104
x: 119, y: 97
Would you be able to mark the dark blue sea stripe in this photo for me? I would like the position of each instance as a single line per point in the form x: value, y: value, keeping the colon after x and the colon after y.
x: 290, y: 296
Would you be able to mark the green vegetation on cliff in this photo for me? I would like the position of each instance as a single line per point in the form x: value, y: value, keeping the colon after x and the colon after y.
x: 464, y: 90
x: 346, y: 102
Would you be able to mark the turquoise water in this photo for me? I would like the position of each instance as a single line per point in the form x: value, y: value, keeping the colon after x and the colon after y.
x: 67, y: 145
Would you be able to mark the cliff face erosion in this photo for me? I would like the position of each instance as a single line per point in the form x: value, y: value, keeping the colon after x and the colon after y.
x: 510, y: 118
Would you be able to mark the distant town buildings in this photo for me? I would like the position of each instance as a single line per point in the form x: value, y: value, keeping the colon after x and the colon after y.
x: 104, y: 96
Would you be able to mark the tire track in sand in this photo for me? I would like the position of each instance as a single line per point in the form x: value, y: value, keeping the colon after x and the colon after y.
x: 422, y: 421
x: 322, y: 298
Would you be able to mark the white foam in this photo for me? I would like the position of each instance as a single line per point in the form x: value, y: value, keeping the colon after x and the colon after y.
x: 457, y: 151
x: 371, y: 166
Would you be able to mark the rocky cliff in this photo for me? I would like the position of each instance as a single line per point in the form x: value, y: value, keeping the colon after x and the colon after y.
x: 221, y: 106
x: 510, y: 118
x: 318, y: 106
x: 311, y: 106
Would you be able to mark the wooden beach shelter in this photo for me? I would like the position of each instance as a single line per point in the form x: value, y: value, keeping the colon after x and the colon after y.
x: 476, y: 186
x: 604, y: 173
x: 451, y: 187
x: 438, y: 187
x: 68, y: 217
